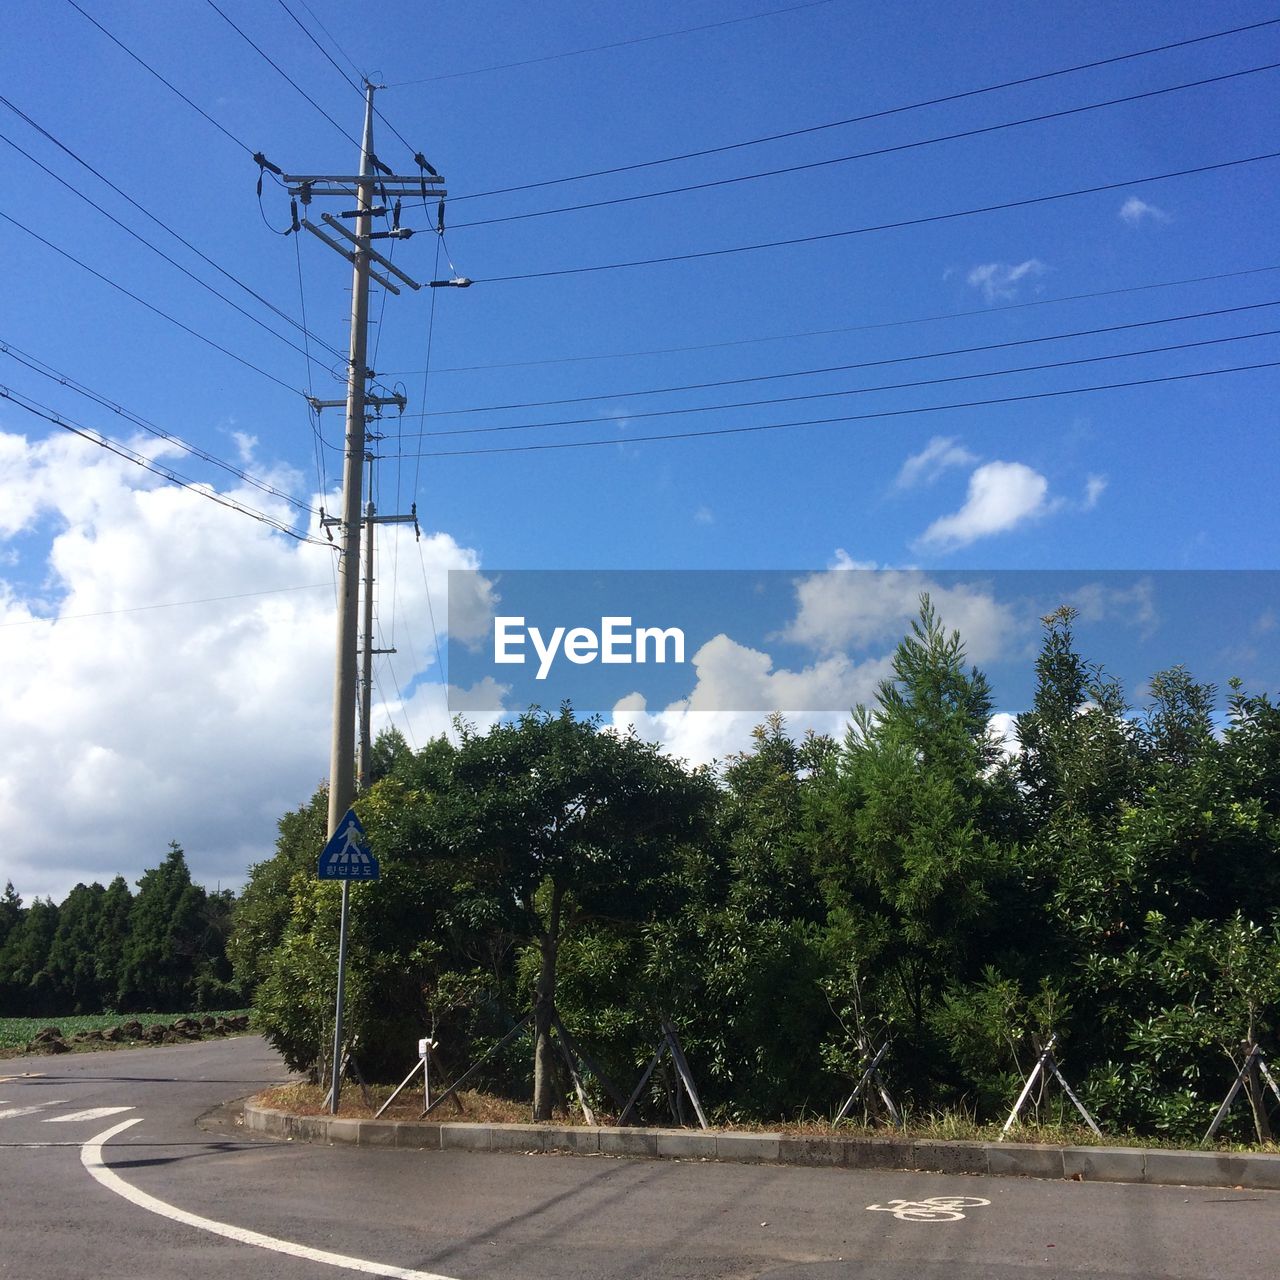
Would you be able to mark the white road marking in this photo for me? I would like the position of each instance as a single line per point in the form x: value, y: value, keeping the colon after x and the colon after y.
x: 93, y: 1113
x: 91, y: 1158
x: 934, y: 1209
x: 14, y: 1112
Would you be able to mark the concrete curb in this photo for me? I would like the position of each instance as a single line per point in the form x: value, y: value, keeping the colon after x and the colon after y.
x: 1158, y: 1167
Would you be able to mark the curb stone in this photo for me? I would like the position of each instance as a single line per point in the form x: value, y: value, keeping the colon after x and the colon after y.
x: 1154, y: 1166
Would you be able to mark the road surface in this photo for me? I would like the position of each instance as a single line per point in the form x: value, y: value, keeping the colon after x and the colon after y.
x: 105, y: 1174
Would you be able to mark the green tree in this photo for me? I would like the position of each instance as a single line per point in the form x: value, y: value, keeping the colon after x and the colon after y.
x: 575, y: 824
x: 262, y: 912
x: 24, y: 959
x: 910, y: 843
x: 113, y: 934
x: 72, y: 961
x: 10, y: 912
x: 165, y: 938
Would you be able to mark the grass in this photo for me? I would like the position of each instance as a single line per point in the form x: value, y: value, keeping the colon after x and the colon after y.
x: 949, y: 1126
x: 15, y: 1033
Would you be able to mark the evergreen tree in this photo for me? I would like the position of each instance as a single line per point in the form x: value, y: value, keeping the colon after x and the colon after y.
x: 165, y: 937
x: 910, y: 842
x: 24, y: 959
x: 113, y: 934
x: 72, y: 963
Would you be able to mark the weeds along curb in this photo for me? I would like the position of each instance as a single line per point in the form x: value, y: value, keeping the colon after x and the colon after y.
x: 1154, y: 1166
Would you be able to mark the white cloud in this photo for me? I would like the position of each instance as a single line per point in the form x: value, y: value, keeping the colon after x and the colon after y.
x: 1000, y: 281
x: 1135, y: 212
x: 939, y: 455
x: 870, y: 606
x: 704, y: 515
x: 732, y: 675
x: 1002, y: 495
x: 1094, y: 488
x: 1003, y: 729
x: 168, y: 667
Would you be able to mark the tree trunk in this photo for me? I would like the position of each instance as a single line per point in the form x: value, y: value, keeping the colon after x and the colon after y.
x: 544, y: 1009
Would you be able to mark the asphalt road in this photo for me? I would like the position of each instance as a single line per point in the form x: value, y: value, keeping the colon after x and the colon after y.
x: 177, y: 1202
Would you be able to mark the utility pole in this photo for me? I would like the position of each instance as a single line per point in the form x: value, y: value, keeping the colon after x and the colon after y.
x: 374, y: 179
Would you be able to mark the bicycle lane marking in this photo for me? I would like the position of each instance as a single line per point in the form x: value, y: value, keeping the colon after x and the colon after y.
x: 91, y: 1156
x: 933, y: 1209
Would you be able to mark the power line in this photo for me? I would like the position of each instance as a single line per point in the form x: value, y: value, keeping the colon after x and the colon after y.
x: 271, y: 62
x: 858, y: 417
x: 305, y: 31
x: 164, y: 315
x: 852, y: 328
x: 146, y: 66
x: 315, y: 17
x: 883, y: 226
x: 861, y: 364
x: 167, y: 604
x: 872, y: 115
x: 62, y: 146
x: 808, y: 166
x: 149, y: 464
x: 46, y: 370
x: 602, y: 48
x: 141, y: 239
x: 862, y: 391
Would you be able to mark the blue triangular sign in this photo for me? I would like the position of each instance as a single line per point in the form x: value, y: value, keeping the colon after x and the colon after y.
x: 347, y: 856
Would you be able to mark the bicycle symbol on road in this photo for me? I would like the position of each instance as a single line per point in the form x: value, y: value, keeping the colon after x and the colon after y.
x: 934, y: 1209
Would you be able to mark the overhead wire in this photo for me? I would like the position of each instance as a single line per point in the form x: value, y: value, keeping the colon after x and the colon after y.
x: 852, y: 328
x: 860, y: 364
x: 809, y: 166
x: 164, y: 315
x: 48, y: 371
x: 178, y: 266
x: 899, y: 224
x: 39, y: 410
x: 160, y: 222
x: 164, y: 604
x: 858, y: 417
x: 146, y: 66
x: 315, y: 17
x: 882, y: 113
x: 616, y: 44
x: 861, y: 391
x: 266, y: 57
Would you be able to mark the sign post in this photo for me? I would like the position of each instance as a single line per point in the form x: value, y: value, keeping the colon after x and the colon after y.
x: 346, y: 857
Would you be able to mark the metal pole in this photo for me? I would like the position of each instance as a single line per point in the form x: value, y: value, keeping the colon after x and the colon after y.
x: 336, y: 1083
x: 342, y: 756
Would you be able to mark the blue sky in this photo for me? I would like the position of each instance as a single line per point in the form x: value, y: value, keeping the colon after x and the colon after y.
x: 217, y: 711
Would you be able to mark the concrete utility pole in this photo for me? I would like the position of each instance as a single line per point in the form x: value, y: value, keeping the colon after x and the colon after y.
x: 373, y: 179
x: 342, y: 774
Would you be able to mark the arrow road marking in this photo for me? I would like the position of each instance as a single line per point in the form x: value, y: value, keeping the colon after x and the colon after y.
x: 91, y: 1158
x: 93, y: 1113
x: 13, y: 1112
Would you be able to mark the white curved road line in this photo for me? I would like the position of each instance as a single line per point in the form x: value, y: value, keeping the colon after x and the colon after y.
x: 91, y: 1158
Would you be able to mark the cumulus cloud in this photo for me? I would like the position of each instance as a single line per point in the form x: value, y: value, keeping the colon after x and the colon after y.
x: 1002, y: 496
x: 728, y: 674
x: 868, y: 606
x: 1001, y: 281
x: 942, y: 453
x: 168, y: 667
x: 1135, y: 212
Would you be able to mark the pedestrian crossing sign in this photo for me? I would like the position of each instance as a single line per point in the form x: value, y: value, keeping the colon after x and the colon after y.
x: 347, y: 856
